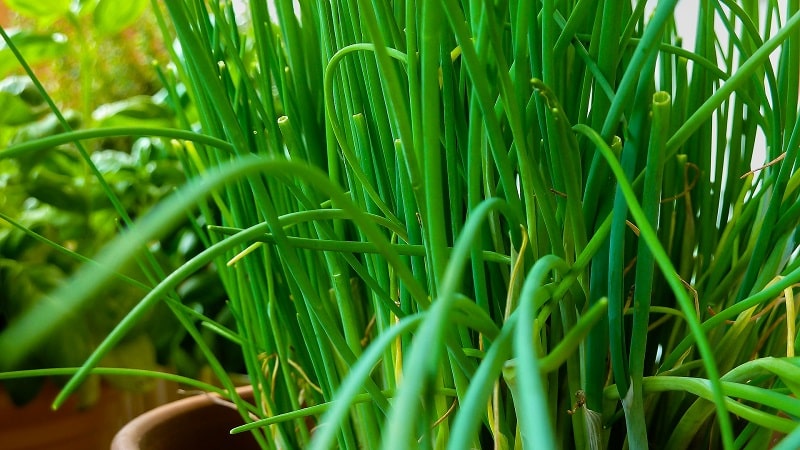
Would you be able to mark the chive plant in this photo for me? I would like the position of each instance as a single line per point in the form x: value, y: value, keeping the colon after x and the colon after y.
x: 472, y: 224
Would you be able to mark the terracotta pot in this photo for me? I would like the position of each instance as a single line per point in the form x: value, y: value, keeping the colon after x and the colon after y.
x: 73, y: 427
x: 196, y: 423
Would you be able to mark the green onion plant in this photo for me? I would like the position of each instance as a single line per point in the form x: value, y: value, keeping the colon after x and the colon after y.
x: 473, y: 224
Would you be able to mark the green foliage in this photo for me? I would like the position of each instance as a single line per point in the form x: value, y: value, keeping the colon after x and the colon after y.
x: 108, y: 17
x: 19, y: 101
x: 111, y: 17
x: 474, y: 224
x: 35, y: 47
x: 91, y: 52
x: 54, y: 210
x: 42, y: 10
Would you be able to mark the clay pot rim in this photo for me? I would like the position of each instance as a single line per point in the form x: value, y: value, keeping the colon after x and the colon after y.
x: 131, y: 434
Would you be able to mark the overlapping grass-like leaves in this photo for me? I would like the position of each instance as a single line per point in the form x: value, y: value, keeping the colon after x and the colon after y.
x: 483, y: 224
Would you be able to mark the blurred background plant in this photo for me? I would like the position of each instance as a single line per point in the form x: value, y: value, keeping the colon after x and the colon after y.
x: 97, y: 69
x: 88, y: 53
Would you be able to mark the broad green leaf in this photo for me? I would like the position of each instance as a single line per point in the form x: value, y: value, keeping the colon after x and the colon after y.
x: 34, y: 47
x: 47, y: 126
x: 111, y: 17
x: 19, y: 101
x: 40, y: 9
x: 140, y: 110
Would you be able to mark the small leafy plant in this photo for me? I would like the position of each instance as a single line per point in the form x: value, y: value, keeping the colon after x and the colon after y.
x: 54, y: 210
x: 480, y: 224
